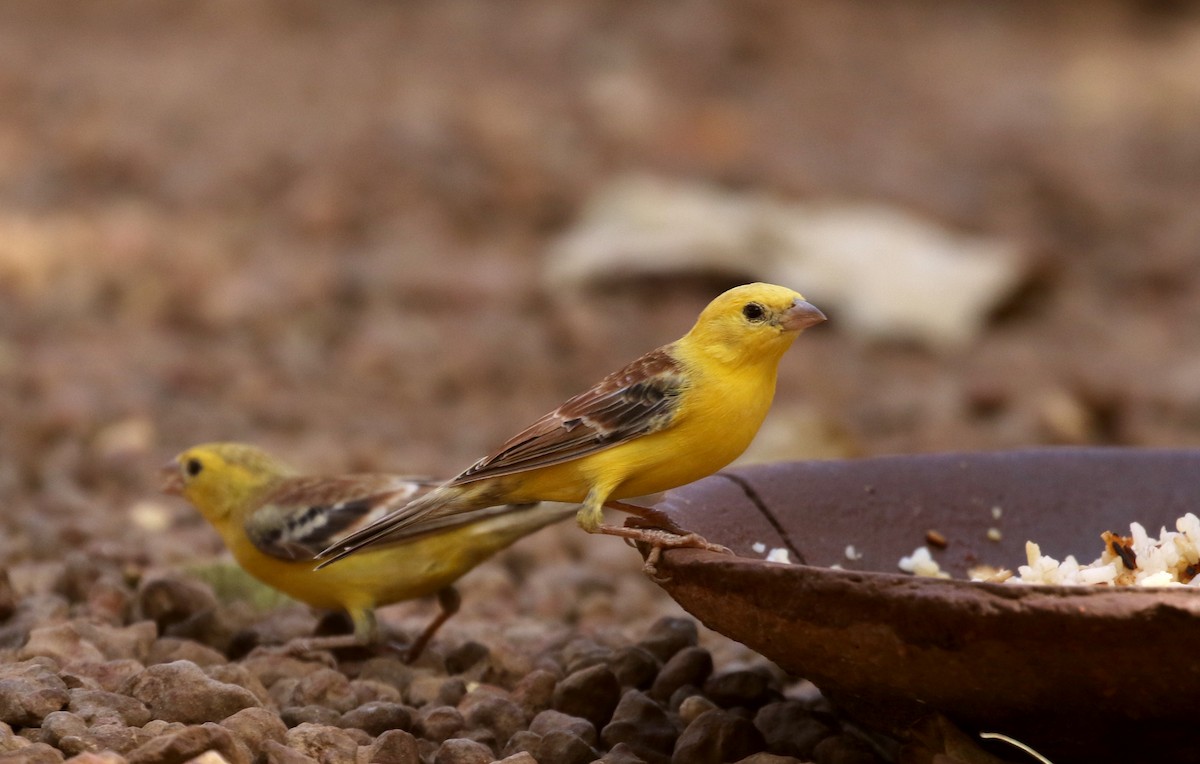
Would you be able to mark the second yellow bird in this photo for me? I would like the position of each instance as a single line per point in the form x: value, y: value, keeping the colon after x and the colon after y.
x: 275, y: 522
x: 675, y: 415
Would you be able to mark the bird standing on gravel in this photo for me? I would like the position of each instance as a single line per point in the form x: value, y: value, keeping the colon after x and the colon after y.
x: 675, y: 415
x: 275, y: 522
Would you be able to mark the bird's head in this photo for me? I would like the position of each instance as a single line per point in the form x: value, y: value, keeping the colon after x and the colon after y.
x: 219, y: 478
x: 753, y: 322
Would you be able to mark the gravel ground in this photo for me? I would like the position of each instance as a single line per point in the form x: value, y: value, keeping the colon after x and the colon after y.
x: 106, y: 662
x: 323, y: 228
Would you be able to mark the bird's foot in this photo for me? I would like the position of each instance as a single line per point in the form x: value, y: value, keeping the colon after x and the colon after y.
x: 659, y: 540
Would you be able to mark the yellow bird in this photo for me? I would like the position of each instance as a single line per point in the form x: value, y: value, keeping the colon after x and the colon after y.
x: 275, y: 521
x: 675, y: 415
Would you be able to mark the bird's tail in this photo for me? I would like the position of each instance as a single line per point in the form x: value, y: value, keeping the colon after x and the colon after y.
x: 440, y: 502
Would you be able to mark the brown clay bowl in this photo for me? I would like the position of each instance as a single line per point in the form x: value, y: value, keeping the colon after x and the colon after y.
x: 1079, y: 673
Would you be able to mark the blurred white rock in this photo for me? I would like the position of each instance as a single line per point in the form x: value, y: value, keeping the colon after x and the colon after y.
x: 879, y: 271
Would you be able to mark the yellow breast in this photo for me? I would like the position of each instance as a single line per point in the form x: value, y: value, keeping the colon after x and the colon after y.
x: 719, y: 414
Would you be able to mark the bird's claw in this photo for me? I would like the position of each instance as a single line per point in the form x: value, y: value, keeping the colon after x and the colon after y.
x: 659, y: 539
x: 650, y: 568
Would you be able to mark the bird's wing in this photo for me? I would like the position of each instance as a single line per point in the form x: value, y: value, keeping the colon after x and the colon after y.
x: 307, y: 514
x: 637, y: 400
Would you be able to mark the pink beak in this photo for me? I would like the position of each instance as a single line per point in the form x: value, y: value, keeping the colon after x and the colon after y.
x: 800, y: 316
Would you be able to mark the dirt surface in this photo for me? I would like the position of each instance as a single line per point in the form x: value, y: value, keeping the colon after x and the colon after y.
x: 323, y: 229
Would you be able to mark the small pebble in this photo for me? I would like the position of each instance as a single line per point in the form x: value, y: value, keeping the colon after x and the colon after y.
x: 237, y: 674
x: 102, y: 675
x: 694, y: 705
x: 466, y: 656
x: 582, y: 653
x: 566, y: 747
x: 254, y: 726
x: 111, y: 735
x: 82, y: 640
x: 669, y: 635
x: 271, y: 667
x: 622, y: 753
x: 35, y: 753
x: 677, y: 699
x: 277, y: 753
x: 520, y: 757
x: 61, y: 642
x: 690, y: 665
x: 96, y: 706
x: 28, y: 691
x: 32, y: 611
x: 535, y: 691
x: 389, y: 671
x: 498, y: 714
x: 173, y: 598
x: 591, y: 693
x: 790, y: 729
x: 394, y: 747
x: 463, y: 751
x: 323, y: 687
x: 182, y: 692
x: 525, y: 740
x: 747, y: 689
x: 717, y: 736
x: 634, y: 666
x: 372, y: 690
x: 60, y: 724
x: 294, y: 716
x: 438, y: 723
x: 427, y: 690
x: 550, y: 720
x: 189, y: 743
x: 377, y: 717
x: 642, y: 725
x: 322, y: 742
x: 108, y: 601
x: 169, y: 649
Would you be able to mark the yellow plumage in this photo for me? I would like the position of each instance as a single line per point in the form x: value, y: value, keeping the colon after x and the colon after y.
x: 274, y: 522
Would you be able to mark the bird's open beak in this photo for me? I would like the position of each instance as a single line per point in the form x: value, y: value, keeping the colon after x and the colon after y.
x: 172, y: 481
x: 801, y: 315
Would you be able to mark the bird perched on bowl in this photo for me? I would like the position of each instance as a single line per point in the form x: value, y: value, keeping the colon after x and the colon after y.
x: 675, y: 415
x: 275, y: 521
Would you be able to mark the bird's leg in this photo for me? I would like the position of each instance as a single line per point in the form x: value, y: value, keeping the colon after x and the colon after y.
x: 449, y: 601
x: 654, y: 518
x: 669, y: 537
x: 591, y: 515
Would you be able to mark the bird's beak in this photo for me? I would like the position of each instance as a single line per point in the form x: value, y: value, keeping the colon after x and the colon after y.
x: 800, y: 316
x: 172, y: 481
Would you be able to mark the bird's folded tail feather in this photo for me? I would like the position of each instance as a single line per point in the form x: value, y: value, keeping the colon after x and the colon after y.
x: 438, y: 503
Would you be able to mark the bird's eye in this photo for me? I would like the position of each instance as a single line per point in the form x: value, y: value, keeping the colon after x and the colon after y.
x: 754, y: 312
x: 193, y: 467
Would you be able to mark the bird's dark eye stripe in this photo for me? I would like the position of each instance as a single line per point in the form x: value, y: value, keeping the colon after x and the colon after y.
x: 193, y: 467
x: 753, y: 311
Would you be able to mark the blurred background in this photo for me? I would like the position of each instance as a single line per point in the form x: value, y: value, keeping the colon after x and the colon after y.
x: 381, y: 235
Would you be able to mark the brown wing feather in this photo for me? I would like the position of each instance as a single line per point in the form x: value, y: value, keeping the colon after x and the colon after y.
x: 307, y: 514
x: 638, y: 399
